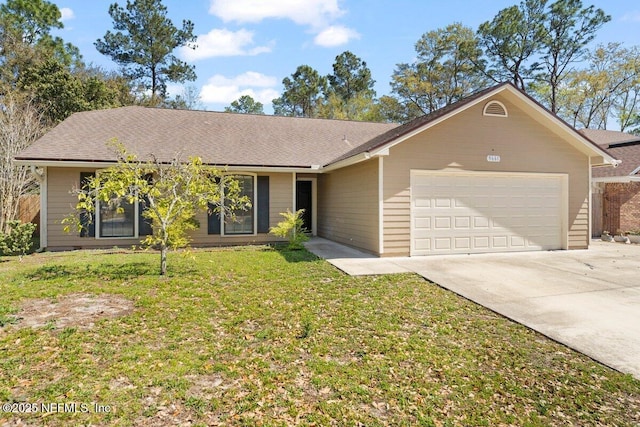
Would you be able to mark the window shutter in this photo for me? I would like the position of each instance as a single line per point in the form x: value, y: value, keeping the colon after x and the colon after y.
x: 263, y: 204
x: 145, y: 227
x: 213, y: 221
x: 88, y: 228
x: 213, y: 218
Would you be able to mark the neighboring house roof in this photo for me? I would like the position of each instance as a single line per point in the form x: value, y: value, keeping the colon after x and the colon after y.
x: 218, y: 138
x: 609, y: 137
x: 623, y: 146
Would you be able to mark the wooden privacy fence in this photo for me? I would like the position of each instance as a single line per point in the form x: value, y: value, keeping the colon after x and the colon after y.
x: 29, y: 210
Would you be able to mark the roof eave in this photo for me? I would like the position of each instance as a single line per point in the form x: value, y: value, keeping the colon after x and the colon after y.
x: 106, y: 163
x: 347, y: 162
x: 616, y: 179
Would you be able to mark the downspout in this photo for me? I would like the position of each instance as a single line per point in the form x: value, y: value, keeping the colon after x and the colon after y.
x: 41, y: 177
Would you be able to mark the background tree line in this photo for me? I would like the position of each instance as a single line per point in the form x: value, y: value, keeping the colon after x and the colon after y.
x: 541, y: 47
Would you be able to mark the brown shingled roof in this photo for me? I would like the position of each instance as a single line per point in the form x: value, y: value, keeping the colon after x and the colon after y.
x: 622, y: 146
x: 218, y: 138
x: 608, y: 137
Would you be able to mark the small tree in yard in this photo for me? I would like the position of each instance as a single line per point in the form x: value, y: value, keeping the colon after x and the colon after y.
x: 292, y: 228
x: 171, y: 193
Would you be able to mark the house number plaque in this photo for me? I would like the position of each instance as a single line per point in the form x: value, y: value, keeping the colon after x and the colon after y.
x: 493, y: 158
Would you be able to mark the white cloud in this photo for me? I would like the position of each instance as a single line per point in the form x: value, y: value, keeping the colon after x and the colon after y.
x: 67, y: 14
x: 175, y: 89
x: 222, y: 42
x: 335, y: 36
x: 316, y: 13
x: 224, y: 90
x: 633, y: 16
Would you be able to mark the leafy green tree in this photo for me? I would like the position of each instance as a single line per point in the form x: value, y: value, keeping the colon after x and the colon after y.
x: 143, y: 45
x: 589, y: 96
x: 245, y: 105
x: 35, y: 18
x: 59, y: 92
x: 626, y: 108
x: 349, y: 93
x: 25, y: 38
x: 176, y: 192
x: 569, y: 28
x: 447, y: 68
x: 511, y: 41
x: 302, y: 93
x: 351, y: 77
x: 392, y: 110
x: 361, y: 107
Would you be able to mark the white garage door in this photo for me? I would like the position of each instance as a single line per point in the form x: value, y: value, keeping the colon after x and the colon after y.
x: 485, y: 212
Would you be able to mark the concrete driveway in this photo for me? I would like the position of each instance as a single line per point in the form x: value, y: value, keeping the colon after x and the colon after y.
x: 588, y: 300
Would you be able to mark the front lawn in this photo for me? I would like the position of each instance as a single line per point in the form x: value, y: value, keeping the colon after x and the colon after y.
x: 259, y: 336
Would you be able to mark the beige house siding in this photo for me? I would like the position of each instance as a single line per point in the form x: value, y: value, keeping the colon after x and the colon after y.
x: 348, y: 206
x: 60, y: 202
x: 462, y: 143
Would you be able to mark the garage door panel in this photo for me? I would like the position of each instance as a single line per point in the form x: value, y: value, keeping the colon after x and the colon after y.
x: 485, y: 212
x: 463, y: 243
x: 442, y: 223
x: 423, y: 223
x: 480, y: 222
x: 500, y: 242
x: 518, y: 242
x: 423, y: 244
x: 441, y: 202
x: 422, y: 203
x: 462, y: 222
x: 481, y: 242
x: 442, y: 243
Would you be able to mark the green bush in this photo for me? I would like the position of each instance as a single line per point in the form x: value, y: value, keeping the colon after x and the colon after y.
x: 19, y: 240
x: 291, y: 228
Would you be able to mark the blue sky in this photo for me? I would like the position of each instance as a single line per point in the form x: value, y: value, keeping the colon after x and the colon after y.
x: 249, y: 46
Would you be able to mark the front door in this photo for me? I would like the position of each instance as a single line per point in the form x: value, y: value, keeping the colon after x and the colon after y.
x: 304, y: 200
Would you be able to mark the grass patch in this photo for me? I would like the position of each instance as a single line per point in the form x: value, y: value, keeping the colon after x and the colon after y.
x: 263, y: 336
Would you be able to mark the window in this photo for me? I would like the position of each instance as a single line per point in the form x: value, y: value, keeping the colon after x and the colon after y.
x: 260, y: 203
x: 117, y: 219
x: 244, y: 221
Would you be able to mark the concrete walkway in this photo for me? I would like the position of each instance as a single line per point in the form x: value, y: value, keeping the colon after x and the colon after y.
x: 588, y: 300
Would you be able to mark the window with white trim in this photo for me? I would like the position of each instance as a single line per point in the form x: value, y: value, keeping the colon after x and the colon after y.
x: 117, y: 218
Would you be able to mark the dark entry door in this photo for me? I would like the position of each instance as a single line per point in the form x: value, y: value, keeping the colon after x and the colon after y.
x: 304, y: 201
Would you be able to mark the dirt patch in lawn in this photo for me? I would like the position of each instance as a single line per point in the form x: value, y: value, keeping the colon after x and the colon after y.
x: 74, y: 310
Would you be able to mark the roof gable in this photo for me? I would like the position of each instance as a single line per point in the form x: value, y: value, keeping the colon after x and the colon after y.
x: 382, y: 143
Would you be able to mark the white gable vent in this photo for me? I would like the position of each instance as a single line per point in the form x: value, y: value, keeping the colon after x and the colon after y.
x: 495, y: 109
